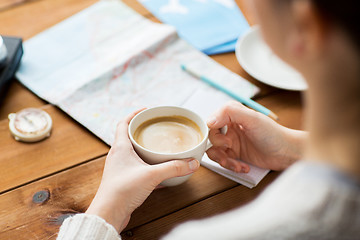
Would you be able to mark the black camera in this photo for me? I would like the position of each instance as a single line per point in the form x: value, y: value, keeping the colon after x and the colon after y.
x: 11, y: 52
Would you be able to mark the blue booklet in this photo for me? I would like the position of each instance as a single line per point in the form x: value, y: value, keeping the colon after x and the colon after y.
x: 212, y: 26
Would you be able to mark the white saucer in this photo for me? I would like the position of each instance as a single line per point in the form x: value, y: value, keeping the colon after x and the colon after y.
x: 259, y: 61
x: 3, y: 52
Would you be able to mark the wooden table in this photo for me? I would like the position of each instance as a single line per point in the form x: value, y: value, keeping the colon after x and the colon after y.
x: 43, y: 183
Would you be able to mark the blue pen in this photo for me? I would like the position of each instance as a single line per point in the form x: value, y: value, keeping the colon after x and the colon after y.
x: 247, y: 101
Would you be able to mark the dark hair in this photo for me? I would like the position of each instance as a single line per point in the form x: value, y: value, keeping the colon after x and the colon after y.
x: 345, y: 13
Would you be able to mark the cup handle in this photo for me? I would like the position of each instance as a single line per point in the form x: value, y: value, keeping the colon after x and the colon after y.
x: 223, y: 131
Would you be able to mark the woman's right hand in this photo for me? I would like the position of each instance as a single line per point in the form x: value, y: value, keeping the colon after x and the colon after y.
x: 253, y: 138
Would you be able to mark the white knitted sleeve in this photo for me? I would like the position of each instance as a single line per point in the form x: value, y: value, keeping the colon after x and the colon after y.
x: 86, y: 226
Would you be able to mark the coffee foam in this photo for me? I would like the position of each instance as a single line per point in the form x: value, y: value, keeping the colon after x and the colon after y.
x: 168, y: 134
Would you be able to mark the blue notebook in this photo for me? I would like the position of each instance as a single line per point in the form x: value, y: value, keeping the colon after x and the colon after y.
x: 212, y: 26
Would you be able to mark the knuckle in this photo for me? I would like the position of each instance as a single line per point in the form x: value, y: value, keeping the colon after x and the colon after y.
x: 177, y: 166
x: 216, y: 142
x: 212, y: 138
x: 223, y: 163
x: 228, y: 110
x: 212, y: 132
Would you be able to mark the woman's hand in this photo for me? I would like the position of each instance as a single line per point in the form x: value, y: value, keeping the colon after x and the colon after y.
x: 252, y: 137
x: 127, y: 180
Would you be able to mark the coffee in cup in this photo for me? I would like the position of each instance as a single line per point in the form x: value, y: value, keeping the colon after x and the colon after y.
x: 168, y: 134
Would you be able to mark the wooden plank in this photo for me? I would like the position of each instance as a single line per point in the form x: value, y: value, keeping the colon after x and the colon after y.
x: 10, y: 3
x: 69, y: 144
x: 5, y: 4
x: 17, y: 98
x: 71, y: 191
x: 27, y: 20
x: 21, y: 21
x: 222, y: 202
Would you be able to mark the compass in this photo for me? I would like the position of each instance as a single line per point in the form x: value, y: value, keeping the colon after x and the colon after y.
x: 30, y: 125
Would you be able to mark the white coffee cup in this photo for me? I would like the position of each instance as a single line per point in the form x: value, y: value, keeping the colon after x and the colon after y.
x: 152, y: 157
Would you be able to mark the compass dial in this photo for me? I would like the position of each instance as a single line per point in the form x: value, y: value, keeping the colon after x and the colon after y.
x: 30, y: 125
x: 31, y: 121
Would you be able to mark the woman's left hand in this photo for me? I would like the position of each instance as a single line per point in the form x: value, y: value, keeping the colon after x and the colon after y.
x: 127, y: 180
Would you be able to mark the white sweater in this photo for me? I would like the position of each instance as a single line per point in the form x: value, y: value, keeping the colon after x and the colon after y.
x: 308, y: 201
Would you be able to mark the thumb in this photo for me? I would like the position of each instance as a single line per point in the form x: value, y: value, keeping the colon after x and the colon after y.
x: 175, y: 168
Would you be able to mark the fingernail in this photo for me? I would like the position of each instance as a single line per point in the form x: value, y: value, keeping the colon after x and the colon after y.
x: 211, y: 120
x: 193, y: 165
x: 226, y: 145
x: 243, y: 169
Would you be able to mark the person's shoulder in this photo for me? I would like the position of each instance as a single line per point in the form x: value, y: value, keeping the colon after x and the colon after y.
x: 319, y: 173
x: 311, y: 183
x: 315, y: 198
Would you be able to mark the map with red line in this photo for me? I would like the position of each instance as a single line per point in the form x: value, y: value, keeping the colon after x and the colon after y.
x: 107, y: 61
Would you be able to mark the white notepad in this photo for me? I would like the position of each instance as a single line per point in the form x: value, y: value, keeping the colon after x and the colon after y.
x: 249, y: 180
x: 206, y: 103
